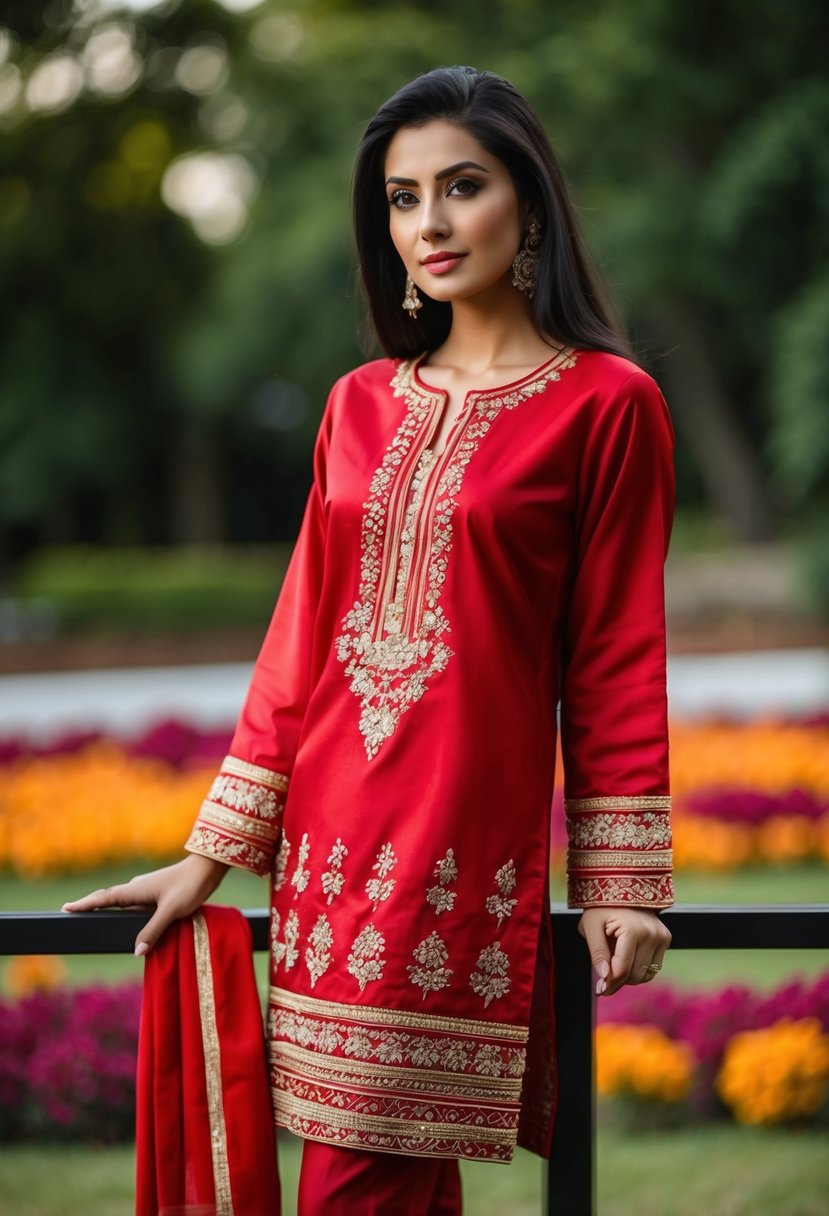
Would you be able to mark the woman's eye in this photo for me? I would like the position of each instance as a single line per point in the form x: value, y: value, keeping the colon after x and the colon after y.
x: 463, y: 186
x: 402, y: 199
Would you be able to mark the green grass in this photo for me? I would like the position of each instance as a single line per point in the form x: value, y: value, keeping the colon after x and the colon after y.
x: 710, y: 968
x: 713, y: 1171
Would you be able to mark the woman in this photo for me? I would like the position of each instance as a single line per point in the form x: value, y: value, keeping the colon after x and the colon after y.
x: 485, y: 537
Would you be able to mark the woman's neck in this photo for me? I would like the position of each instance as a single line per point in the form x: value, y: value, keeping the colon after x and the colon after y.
x: 491, y: 334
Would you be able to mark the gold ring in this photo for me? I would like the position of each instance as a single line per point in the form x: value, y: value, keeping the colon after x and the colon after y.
x: 653, y: 968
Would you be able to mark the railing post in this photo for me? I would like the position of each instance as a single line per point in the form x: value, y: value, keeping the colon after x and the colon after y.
x: 570, y: 1183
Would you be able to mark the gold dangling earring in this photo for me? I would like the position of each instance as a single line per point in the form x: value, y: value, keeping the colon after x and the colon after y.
x: 412, y: 302
x: 525, y: 263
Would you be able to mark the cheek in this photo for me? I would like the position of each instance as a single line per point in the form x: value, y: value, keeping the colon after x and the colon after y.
x: 497, y: 225
x: 401, y: 231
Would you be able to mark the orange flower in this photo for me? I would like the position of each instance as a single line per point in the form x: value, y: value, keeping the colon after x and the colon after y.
x: 643, y: 1061
x: 786, y: 838
x: 93, y: 807
x: 34, y: 973
x: 776, y: 1074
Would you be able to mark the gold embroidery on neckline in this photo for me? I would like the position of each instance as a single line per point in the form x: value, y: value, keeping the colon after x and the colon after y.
x: 393, y: 639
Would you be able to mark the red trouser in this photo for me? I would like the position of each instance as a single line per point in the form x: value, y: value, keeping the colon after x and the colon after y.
x: 336, y: 1181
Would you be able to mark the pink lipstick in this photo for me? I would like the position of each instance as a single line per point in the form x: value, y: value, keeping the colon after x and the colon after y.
x: 440, y: 263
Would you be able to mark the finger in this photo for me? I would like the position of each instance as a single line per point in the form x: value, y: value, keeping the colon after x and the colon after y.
x: 138, y: 892
x: 155, y: 927
x: 104, y: 897
x: 655, y: 966
x: 622, y: 960
x: 593, y: 931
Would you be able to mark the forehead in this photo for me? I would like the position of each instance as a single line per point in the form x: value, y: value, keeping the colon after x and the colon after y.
x: 421, y: 152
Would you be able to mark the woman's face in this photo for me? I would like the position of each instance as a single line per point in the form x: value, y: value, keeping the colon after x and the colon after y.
x: 454, y: 215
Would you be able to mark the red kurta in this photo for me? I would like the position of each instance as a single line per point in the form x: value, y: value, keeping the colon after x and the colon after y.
x: 393, y: 765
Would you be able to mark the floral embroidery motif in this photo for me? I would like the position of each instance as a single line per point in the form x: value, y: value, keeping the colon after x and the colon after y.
x: 430, y: 974
x: 627, y: 830
x: 379, y: 889
x: 280, y: 869
x: 291, y: 936
x: 277, y: 947
x: 301, y: 875
x: 364, y: 961
x: 318, y: 952
x: 392, y: 643
x: 333, y: 880
x: 245, y: 796
x: 491, y: 981
x: 498, y: 904
x: 445, y: 871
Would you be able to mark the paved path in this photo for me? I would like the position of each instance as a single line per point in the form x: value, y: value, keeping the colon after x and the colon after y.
x: 125, y: 701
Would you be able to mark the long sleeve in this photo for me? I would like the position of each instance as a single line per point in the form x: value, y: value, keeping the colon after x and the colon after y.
x: 613, y: 702
x: 240, y: 820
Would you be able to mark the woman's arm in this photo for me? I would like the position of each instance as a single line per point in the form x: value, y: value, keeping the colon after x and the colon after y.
x: 613, y: 704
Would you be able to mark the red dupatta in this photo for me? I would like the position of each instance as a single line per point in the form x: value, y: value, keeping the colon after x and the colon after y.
x: 205, y: 1141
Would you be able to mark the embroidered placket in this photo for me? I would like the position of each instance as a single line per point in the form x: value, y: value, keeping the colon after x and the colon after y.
x: 394, y: 635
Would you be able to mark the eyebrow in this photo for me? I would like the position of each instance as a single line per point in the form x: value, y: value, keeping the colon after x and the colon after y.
x: 463, y: 164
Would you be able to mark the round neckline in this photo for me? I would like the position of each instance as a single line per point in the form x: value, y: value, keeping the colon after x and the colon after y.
x: 535, y: 374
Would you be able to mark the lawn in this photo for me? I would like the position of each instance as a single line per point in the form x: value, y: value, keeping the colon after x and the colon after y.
x: 722, y: 1171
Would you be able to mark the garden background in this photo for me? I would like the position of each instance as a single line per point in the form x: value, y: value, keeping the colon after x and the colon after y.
x: 179, y: 295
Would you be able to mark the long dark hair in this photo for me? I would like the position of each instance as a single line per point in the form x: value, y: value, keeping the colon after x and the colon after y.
x: 570, y: 304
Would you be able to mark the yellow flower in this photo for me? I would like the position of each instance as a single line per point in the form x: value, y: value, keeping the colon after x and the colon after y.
x: 642, y: 1060
x: 776, y: 1074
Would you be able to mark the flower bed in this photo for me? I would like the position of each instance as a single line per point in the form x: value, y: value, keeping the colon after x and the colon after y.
x: 754, y: 793
x: 763, y: 1058
x: 67, y: 1064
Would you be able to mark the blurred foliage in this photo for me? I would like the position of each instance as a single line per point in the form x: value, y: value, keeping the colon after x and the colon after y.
x: 123, y: 591
x: 175, y: 323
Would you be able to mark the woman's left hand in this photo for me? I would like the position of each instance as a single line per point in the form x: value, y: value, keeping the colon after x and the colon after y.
x: 627, y: 945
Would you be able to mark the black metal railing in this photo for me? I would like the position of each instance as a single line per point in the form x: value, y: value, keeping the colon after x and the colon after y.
x: 571, y: 1176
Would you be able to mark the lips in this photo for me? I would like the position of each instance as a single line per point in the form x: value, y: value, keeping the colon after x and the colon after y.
x: 440, y: 263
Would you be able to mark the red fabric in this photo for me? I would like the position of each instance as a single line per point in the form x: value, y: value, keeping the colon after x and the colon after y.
x: 174, y: 1158
x: 393, y: 765
x: 338, y: 1181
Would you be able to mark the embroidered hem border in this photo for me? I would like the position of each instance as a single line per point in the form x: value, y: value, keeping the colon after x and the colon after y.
x: 393, y: 1081
x: 241, y: 817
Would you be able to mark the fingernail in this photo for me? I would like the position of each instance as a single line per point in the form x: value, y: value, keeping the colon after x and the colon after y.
x: 603, y: 969
x: 140, y: 949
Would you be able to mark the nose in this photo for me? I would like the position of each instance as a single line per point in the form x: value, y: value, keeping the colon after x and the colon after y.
x: 434, y: 224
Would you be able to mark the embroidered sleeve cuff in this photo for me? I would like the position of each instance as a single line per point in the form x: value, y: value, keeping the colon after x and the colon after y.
x: 241, y: 817
x: 619, y: 851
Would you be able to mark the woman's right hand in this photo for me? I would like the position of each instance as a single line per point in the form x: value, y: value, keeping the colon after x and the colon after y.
x: 176, y: 891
